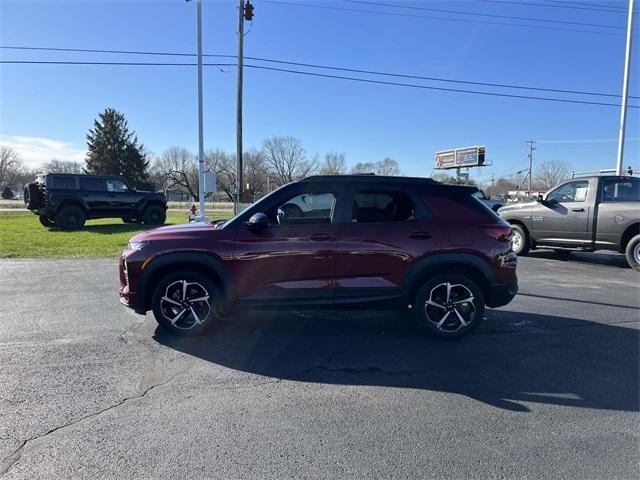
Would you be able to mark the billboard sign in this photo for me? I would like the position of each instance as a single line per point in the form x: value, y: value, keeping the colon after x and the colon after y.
x: 460, y: 158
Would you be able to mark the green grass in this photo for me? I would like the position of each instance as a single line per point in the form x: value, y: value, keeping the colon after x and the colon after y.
x: 22, y: 236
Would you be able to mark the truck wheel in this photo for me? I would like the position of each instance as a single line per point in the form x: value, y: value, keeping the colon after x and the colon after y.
x: 520, y: 243
x: 448, y: 306
x: 70, y: 217
x: 46, y: 221
x: 154, y: 215
x: 32, y: 196
x: 184, y: 302
x: 633, y: 253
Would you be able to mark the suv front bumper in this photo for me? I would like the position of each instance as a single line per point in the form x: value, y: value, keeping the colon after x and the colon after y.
x: 500, y: 294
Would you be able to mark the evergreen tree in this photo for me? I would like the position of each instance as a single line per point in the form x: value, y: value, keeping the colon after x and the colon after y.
x: 113, y: 150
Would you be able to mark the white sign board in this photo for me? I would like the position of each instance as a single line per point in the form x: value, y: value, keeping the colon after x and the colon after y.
x: 209, y: 182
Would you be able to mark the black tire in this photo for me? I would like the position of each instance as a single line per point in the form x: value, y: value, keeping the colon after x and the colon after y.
x: 154, y: 215
x: 46, y: 221
x: 427, y: 316
x: 520, y: 243
x: 70, y: 217
x: 131, y: 220
x: 168, y: 301
x: 32, y: 196
x: 632, y: 253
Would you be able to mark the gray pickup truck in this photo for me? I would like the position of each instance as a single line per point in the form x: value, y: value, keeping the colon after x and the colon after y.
x: 587, y: 213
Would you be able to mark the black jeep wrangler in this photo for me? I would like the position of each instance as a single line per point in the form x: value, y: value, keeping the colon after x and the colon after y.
x: 67, y: 201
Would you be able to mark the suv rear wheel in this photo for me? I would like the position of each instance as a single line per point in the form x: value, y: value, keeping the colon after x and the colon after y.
x: 448, y: 306
x: 70, y: 217
x: 154, y: 215
x: 185, y: 302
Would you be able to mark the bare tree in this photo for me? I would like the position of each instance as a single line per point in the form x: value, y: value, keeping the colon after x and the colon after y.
x: 178, y: 167
x: 255, y: 172
x: 364, y: 167
x: 387, y: 167
x: 62, y: 166
x: 286, y: 159
x: 333, y: 164
x: 10, y: 166
x: 551, y: 173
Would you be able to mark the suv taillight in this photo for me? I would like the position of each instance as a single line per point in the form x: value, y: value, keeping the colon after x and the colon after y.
x: 501, y: 233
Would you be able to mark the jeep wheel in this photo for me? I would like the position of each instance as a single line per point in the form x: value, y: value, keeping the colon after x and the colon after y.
x: 633, y: 253
x: 70, y: 218
x: 520, y: 243
x: 184, y: 303
x: 448, y: 306
x: 154, y: 215
x: 32, y: 196
x: 46, y: 221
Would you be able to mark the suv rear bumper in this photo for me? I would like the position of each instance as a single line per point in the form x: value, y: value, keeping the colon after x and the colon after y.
x: 500, y: 294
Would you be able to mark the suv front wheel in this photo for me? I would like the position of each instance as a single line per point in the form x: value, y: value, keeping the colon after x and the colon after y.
x: 185, y: 303
x: 448, y: 306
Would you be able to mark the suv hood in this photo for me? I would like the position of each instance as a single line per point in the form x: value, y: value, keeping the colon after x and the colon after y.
x: 186, y: 230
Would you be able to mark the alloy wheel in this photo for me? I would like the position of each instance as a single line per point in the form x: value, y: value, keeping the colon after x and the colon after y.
x: 450, y: 307
x: 185, y: 305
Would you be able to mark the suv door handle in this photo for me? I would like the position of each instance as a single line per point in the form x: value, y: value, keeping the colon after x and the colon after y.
x: 420, y: 235
x: 319, y: 237
x: 577, y: 209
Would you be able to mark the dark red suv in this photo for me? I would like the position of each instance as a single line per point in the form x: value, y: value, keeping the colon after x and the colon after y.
x: 331, y: 241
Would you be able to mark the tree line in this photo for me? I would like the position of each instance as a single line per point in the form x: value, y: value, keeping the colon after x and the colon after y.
x: 112, y: 149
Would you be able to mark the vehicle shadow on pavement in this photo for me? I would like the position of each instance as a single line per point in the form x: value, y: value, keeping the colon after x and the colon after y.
x: 608, y: 259
x: 120, y: 228
x: 512, y: 360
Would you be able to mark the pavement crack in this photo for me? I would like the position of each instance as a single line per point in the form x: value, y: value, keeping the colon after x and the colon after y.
x: 14, y: 457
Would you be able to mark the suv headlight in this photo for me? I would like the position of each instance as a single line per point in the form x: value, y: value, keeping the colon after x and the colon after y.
x: 136, y: 245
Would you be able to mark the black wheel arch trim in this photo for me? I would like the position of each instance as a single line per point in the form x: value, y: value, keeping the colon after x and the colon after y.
x: 433, y: 262
x: 180, y: 258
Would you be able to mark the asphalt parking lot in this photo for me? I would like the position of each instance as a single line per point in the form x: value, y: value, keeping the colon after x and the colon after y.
x: 547, y: 387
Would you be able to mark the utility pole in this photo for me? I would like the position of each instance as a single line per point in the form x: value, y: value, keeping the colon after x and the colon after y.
x: 625, y: 90
x: 245, y: 12
x: 202, y: 217
x: 532, y: 147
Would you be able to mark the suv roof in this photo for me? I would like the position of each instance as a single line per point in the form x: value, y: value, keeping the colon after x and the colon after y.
x: 369, y: 178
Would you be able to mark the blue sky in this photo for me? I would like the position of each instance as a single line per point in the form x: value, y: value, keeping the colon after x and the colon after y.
x: 45, y: 110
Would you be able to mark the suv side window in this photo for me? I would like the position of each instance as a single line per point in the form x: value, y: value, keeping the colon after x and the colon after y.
x: 116, y: 185
x: 305, y: 209
x: 620, y: 190
x: 379, y: 206
x: 92, y: 184
x: 570, y: 192
x: 63, y: 182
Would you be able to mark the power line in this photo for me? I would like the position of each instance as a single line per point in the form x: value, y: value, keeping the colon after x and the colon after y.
x: 321, y: 75
x: 446, y: 19
x: 486, y: 15
x: 571, y: 7
x: 613, y: 7
x: 326, y: 67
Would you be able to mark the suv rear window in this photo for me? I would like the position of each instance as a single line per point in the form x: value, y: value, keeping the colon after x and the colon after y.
x: 92, y: 184
x: 378, y: 206
x: 63, y: 182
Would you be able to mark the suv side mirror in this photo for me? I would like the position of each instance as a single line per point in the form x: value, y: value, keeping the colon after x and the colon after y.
x: 540, y: 199
x: 258, y: 221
